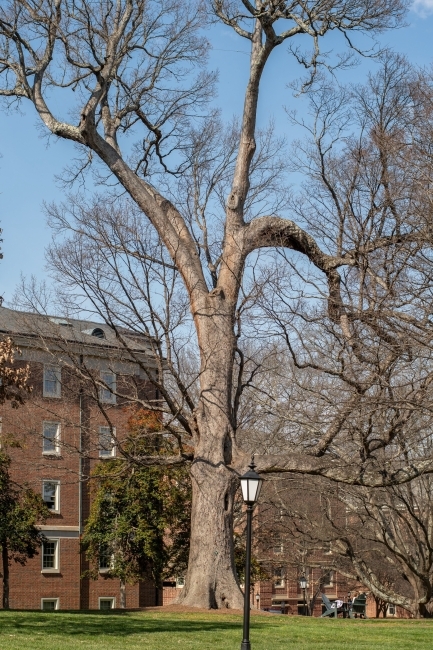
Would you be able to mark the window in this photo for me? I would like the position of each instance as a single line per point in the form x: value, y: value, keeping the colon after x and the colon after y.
x: 105, y: 559
x: 278, y: 547
x: 52, y: 381
x: 50, y: 555
x: 107, y: 391
x: 49, y: 604
x: 327, y: 549
x: 180, y: 582
x: 106, y: 442
x: 279, y: 575
x: 328, y: 579
x: 99, y: 333
x: 50, y: 495
x: 391, y: 610
x: 107, y: 603
x: 51, y: 437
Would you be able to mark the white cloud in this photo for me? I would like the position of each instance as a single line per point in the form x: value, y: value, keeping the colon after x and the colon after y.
x: 423, y: 7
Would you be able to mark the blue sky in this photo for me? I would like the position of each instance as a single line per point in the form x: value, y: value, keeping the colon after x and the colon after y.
x: 29, y: 162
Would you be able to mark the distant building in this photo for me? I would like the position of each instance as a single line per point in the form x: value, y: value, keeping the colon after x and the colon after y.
x: 83, y: 381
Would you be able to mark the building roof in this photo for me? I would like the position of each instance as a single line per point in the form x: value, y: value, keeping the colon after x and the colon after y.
x: 30, y: 325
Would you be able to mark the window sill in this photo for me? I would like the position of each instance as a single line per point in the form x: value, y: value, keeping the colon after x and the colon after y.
x: 50, y: 571
x: 51, y: 396
x: 53, y: 454
x: 104, y: 571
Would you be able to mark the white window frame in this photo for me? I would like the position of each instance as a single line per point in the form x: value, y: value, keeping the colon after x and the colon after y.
x: 56, y: 567
x: 327, y: 547
x: 280, y: 581
x: 58, y: 373
x: 180, y: 582
x: 389, y: 613
x: 50, y: 452
x: 50, y: 600
x: 107, y: 453
x: 112, y: 599
x: 331, y: 575
x: 106, y: 395
x: 56, y: 508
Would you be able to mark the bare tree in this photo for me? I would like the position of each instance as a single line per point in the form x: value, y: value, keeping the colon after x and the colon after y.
x: 130, y: 68
x: 381, y: 537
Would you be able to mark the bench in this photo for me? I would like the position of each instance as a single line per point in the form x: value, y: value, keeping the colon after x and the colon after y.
x: 358, y: 607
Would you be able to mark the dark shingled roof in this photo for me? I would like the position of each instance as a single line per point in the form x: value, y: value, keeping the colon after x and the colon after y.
x: 32, y: 325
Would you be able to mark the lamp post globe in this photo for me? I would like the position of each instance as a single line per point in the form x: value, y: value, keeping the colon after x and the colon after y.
x: 251, y: 484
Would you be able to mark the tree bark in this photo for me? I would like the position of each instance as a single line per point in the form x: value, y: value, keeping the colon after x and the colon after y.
x: 423, y: 612
x: 211, y: 580
x: 5, y: 569
x: 122, y: 594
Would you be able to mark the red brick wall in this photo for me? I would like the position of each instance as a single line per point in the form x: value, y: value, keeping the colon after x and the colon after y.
x: 22, y: 440
x: 28, y: 585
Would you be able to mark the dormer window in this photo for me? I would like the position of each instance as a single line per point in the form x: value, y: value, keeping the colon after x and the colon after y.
x: 99, y: 333
x: 61, y: 321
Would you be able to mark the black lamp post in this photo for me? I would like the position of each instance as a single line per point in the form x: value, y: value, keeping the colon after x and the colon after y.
x: 303, y: 585
x: 251, y: 484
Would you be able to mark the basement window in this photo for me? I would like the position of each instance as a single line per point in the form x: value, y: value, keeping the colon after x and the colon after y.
x: 107, y: 603
x: 49, y: 604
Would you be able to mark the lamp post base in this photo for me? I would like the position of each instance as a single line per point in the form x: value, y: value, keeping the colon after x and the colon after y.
x: 245, y: 645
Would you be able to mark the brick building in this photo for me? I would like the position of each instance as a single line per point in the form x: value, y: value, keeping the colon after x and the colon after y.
x: 84, y: 382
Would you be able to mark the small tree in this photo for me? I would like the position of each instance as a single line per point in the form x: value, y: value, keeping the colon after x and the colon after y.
x: 20, y: 509
x: 13, y: 380
x: 140, y: 516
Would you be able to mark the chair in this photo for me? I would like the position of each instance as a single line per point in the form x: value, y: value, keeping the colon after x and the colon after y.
x: 331, y: 609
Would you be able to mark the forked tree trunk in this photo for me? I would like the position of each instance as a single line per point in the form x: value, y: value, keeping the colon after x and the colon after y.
x: 5, y: 570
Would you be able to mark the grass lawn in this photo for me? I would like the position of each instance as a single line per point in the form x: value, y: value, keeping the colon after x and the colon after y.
x: 158, y: 630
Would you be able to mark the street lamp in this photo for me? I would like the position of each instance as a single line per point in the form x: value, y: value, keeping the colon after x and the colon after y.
x: 257, y: 600
x: 251, y: 484
x: 303, y: 585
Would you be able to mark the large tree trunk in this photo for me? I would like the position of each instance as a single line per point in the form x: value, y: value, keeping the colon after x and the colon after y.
x: 211, y: 580
x: 5, y: 569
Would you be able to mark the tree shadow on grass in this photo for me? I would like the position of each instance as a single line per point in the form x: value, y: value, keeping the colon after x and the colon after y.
x: 119, y: 624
